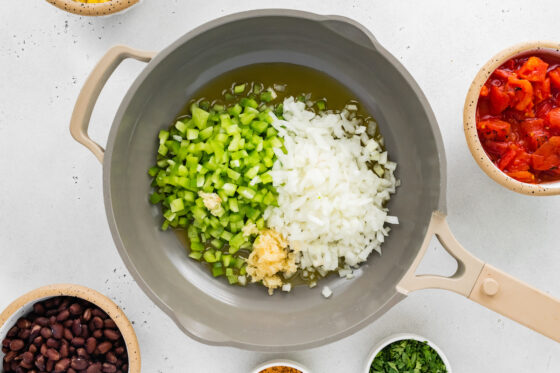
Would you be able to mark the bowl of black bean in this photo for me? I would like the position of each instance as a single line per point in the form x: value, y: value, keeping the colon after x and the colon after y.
x: 67, y: 328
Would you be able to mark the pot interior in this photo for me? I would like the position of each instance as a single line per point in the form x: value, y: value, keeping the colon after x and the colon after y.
x: 210, y: 309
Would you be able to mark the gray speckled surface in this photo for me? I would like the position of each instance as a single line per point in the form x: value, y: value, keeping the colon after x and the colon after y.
x: 54, y: 227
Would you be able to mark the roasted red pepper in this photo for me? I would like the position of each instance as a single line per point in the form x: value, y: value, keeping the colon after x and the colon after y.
x: 521, y: 92
x: 518, y: 118
x: 555, y: 77
x: 534, y: 69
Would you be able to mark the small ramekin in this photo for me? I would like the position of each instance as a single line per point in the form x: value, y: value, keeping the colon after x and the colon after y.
x: 24, y: 305
x: 399, y: 337
x: 282, y: 363
x: 469, y: 120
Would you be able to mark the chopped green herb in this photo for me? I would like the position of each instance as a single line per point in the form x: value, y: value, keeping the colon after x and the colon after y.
x: 408, y: 356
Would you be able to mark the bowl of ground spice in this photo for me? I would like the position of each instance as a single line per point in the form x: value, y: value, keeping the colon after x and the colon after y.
x: 67, y: 329
x: 280, y: 366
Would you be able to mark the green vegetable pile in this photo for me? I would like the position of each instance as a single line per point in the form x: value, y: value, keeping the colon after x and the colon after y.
x: 212, y: 176
x: 408, y: 356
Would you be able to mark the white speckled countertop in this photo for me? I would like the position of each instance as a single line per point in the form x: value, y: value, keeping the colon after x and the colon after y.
x: 53, y: 227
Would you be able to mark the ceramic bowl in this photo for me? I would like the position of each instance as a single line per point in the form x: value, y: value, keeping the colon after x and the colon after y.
x: 469, y: 120
x: 24, y: 304
x: 93, y: 9
x: 399, y: 337
x: 282, y: 363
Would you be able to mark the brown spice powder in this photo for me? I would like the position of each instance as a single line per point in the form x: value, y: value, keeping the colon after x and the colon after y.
x: 280, y: 369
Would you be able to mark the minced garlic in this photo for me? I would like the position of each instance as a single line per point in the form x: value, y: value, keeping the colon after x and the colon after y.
x: 250, y: 229
x: 270, y: 256
x: 212, y: 202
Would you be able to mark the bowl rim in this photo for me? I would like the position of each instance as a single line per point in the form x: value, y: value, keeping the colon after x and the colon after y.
x: 93, y: 9
x: 90, y: 295
x: 280, y: 362
x: 399, y: 337
x: 469, y: 120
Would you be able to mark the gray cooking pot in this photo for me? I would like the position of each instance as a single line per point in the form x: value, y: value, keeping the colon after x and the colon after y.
x: 210, y: 310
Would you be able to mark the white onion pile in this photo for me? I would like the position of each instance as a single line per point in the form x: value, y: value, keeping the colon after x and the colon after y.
x: 330, y: 201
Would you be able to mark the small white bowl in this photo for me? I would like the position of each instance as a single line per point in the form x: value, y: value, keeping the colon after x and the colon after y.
x: 399, y: 337
x: 281, y: 363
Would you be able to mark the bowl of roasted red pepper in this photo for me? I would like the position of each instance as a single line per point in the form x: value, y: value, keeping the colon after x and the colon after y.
x: 512, y: 118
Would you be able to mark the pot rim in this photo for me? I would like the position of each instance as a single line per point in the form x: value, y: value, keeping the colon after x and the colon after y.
x: 469, y: 120
x: 399, y: 337
x: 90, y: 295
x: 221, y: 340
x: 93, y: 9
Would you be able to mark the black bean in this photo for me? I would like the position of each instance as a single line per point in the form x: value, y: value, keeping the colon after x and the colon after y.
x: 43, y: 321
x: 104, y: 347
x: 68, y: 334
x: 109, y: 368
x: 53, y: 343
x: 63, y: 315
x: 23, y: 323
x: 12, y: 332
x: 99, y: 313
x: 10, y: 356
x: 111, y: 358
x: 94, y: 368
x: 97, y: 322
x: 40, y: 362
x: 53, y: 354
x: 78, y: 341
x: 50, y: 365
x: 16, y: 345
x: 87, y: 315
x: 27, y: 356
x: 35, y: 330
x: 91, y: 345
x: 24, y: 334
x: 46, y: 332
x: 76, y: 327
x: 64, y: 352
x: 62, y: 366
x: 57, y: 331
x: 75, y: 309
x: 111, y: 334
x: 78, y: 363
x: 38, y: 308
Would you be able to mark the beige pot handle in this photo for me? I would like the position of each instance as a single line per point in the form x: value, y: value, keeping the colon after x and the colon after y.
x: 85, y: 103
x: 485, y: 285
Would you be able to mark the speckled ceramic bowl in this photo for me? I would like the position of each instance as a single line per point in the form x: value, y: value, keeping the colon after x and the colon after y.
x: 280, y: 363
x: 399, y: 337
x: 24, y: 304
x: 469, y: 120
x: 93, y: 9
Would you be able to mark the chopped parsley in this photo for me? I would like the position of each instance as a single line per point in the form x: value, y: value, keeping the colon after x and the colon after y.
x: 408, y: 356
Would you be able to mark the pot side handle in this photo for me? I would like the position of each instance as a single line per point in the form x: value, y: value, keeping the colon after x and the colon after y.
x: 485, y: 285
x: 89, y: 93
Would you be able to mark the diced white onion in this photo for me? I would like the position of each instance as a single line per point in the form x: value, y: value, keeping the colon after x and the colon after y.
x: 327, y: 292
x: 330, y: 202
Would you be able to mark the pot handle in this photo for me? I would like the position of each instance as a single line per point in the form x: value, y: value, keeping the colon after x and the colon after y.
x: 95, y: 82
x: 485, y: 285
